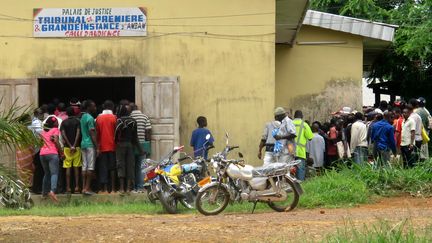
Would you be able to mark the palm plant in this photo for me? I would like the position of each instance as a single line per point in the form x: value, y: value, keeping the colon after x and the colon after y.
x: 14, y: 132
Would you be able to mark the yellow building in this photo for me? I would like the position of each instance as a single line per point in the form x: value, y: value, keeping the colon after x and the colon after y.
x: 231, y: 61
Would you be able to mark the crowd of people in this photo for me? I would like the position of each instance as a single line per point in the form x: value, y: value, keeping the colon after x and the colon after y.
x: 99, y: 148
x: 373, y: 135
x: 87, y: 148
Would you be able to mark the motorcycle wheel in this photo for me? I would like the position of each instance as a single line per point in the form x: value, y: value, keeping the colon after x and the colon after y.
x: 169, y: 203
x: 292, y: 197
x: 213, y: 200
x: 151, y: 197
x: 189, y: 200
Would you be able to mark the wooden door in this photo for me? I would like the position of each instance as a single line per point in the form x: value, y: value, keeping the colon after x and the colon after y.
x: 22, y: 92
x: 159, y: 99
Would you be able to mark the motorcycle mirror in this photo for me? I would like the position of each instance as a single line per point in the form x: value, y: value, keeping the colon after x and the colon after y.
x: 208, y: 136
x: 240, y: 155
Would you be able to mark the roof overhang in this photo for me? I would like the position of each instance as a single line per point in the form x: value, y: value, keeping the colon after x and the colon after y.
x: 289, y: 18
x: 376, y: 36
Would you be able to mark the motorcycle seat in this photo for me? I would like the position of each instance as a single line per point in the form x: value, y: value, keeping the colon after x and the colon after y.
x: 270, y: 169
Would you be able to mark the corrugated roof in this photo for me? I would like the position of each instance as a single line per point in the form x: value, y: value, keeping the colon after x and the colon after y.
x: 350, y: 25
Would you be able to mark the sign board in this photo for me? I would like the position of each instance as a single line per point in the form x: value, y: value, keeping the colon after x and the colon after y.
x: 89, y: 22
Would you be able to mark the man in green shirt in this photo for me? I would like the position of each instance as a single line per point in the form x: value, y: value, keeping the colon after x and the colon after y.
x: 89, y: 147
x: 304, y: 134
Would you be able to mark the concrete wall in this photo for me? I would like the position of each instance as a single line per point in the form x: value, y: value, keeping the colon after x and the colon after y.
x: 226, y: 74
x: 319, y: 79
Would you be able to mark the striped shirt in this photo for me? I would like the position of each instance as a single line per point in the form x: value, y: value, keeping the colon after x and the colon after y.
x: 143, y: 124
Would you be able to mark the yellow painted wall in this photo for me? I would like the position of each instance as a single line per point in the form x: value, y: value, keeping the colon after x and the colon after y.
x: 306, y: 75
x: 226, y: 74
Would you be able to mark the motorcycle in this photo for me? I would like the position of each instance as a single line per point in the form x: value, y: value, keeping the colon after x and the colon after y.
x: 165, y: 183
x: 236, y: 181
x: 196, y: 172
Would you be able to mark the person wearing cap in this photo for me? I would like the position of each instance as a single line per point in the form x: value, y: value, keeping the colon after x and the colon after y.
x: 267, y: 139
x: 286, y: 135
x: 425, y: 118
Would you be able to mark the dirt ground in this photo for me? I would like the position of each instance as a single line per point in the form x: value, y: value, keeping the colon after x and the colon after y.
x: 301, y: 224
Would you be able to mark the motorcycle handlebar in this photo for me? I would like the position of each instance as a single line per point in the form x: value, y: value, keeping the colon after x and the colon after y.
x: 185, y: 158
x: 232, y: 148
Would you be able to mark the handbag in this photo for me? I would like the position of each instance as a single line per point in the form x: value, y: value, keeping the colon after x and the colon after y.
x: 425, y: 136
x: 341, y: 150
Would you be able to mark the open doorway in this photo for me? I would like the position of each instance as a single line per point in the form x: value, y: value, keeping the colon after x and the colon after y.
x: 96, y: 89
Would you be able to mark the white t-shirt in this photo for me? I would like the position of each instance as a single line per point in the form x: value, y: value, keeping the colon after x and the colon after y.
x: 267, y: 133
x: 407, y: 126
x: 316, y: 150
x: 358, y: 135
x: 418, y: 125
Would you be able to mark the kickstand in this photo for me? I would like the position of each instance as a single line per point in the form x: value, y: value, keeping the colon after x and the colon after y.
x: 253, y: 209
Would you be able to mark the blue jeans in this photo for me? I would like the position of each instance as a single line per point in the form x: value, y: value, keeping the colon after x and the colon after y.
x: 139, y: 176
x: 50, y: 165
x: 301, y: 169
x: 360, y: 154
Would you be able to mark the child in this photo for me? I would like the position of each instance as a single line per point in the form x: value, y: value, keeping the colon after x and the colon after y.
x: 198, y: 138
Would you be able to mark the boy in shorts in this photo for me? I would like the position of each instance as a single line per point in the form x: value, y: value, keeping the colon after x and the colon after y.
x: 71, y: 134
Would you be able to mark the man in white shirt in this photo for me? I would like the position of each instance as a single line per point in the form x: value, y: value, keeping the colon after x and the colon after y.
x: 359, y: 142
x: 316, y: 148
x: 418, y: 132
x: 268, y: 141
x: 408, y: 138
x: 286, y: 135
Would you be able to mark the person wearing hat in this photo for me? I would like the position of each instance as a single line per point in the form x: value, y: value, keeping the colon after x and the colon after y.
x: 285, y: 135
x: 267, y: 139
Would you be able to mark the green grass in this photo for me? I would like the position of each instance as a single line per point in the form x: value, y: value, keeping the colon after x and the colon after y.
x: 346, y: 187
x: 334, y: 189
x: 384, y: 232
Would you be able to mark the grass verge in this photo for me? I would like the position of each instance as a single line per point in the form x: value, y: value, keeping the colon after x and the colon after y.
x: 346, y: 187
x: 383, y: 231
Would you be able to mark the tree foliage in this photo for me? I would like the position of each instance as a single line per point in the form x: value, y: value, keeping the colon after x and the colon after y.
x: 408, y: 62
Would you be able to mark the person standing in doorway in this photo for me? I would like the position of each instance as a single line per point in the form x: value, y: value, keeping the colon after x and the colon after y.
x: 61, y: 111
x: 359, y: 139
x: 36, y: 127
x: 198, y: 138
x: 89, y: 146
x: 49, y: 156
x: 144, y: 138
x: 126, y: 137
x: 105, y: 127
x: 267, y: 139
x: 316, y: 148
x: 304, y: 134
x: 71, y: 134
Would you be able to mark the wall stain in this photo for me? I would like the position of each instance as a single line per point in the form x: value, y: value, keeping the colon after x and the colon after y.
x: 105, y: 62
x: 336, y: 94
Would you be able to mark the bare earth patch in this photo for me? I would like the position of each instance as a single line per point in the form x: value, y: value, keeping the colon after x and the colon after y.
x: 260, y: 227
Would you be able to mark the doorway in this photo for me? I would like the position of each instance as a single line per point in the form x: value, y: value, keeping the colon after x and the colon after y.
x: 97, y: 89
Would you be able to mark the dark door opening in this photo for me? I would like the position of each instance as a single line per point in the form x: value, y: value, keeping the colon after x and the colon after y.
x: 96, y: 89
